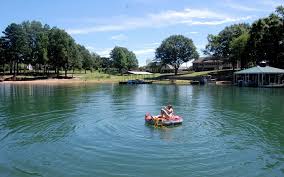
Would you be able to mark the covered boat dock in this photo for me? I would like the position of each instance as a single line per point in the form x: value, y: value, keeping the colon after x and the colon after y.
x: 260, y: 76
x: 135, y: 80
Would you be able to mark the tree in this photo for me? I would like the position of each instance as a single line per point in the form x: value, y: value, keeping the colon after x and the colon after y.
x: 37, y: 42
x: 96, y: 60
x: 60, y: 49
x: 105, y: 62
x: 15, y: 45
x: 280, y: 11
x: 219, y: 45
x: 132, y: 61
x: 87, y: 62
x: 176, y: 50
x: 33, y: 43
x: 119, y: 58
x: 75, y: 58
x: 2, y: 55
x: 266, y: 40
x: 238, y: 48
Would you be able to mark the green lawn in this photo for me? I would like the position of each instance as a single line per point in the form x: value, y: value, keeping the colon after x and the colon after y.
x: 108, y: 77
x: 202, y: 73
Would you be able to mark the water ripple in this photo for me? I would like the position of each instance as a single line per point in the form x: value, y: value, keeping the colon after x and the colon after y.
x: 98, y: 130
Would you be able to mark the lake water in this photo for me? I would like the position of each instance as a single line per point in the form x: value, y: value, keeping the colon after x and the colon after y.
x: 99, y: 130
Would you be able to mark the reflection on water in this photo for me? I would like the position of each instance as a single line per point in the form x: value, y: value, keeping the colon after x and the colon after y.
x: 98, y: 130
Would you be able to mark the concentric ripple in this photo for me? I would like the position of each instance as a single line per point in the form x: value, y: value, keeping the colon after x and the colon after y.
x: 99, y: 130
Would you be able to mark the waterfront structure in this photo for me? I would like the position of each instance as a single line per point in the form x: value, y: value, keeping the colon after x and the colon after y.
x: 260, y: 76
x: 210, y: 63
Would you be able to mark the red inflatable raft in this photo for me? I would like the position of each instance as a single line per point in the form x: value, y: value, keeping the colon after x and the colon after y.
x: 159, y: 121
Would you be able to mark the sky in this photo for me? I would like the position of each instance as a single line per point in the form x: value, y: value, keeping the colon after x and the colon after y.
x: 139, y: 25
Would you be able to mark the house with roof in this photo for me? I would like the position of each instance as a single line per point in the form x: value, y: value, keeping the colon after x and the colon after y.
x: 210, y: 63
x: 260, y: 76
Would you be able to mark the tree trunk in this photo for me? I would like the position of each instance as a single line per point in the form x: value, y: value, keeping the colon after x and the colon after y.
x: 73, y: 72
x: 15, y: 64
x: 176, y: 70
x: 3, y: 66
x: 85, y: 71
x: 57, y: 72
x: 11, y: 68
x: 17, y: 68
x: 65, y: 73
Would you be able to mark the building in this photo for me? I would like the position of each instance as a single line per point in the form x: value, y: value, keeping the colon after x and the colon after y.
x: 260, y: 76
x: 210, y: 63
x: 167, y: 68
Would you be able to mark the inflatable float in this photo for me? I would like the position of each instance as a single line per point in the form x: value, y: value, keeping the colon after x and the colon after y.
x: 160, y: 121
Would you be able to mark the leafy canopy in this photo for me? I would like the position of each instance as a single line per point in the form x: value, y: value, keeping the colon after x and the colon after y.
x: 176, y: 50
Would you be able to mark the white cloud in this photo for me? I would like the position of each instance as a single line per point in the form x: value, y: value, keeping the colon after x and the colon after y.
x: 272, y: 3
x: 119, y: 37
x: 241, y: 7
x: 103, y: 28
x: 152, y: 45
x: 103, y: 52
x: 193, y: 32
x: 90, y: 48
x: 166, y: 18
x: 219, y: 22
x: 144, y: 51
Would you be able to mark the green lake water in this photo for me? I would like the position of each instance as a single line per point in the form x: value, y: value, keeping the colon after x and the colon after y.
x: 99, y: 130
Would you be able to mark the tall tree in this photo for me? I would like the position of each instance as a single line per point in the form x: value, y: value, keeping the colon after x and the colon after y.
x: 59, y: 49
x: 119, y: 58
x: 96, y: 61
x: 219, y: 45
x: 106, y: 62
x: 239, y: 49
x: 176, y: 50
x: 2, y: 55
x: 266, y: 40
x: 15, y: 45
x: 87, y: 62
x: 38, y: 43
x: 132, y: 61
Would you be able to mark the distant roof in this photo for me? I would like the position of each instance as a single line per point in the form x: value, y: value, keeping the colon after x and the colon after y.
x: 187, y: 64
x: 139, y: 72
x: 207, y: 59
x: 167, y: 66
x: 261, y: 70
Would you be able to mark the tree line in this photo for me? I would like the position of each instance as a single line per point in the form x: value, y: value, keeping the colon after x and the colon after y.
x: 52, y: 49
x: 250, y: 44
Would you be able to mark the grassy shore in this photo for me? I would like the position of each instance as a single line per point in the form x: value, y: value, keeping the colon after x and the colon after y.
x: 100, y: 77
x: 194, y: 74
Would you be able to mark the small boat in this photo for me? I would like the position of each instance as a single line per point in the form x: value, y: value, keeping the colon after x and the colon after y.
x: 160, y: 121
x: 273, y: 86
x: 223, y: 82
x: 137, y: 81
x: 194, y: 82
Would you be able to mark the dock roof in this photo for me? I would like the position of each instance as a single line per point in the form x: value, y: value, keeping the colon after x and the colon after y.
x: 139, y: 72
x: 261, y: 70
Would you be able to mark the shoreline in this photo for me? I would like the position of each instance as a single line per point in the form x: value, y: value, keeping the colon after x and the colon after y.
x: 80, y: 81
x: 58, y: 81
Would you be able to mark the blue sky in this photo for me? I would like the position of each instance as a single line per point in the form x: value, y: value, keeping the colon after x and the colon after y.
x: 139, y: 25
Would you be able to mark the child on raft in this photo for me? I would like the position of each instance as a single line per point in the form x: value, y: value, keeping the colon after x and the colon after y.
x: 167, y: 112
